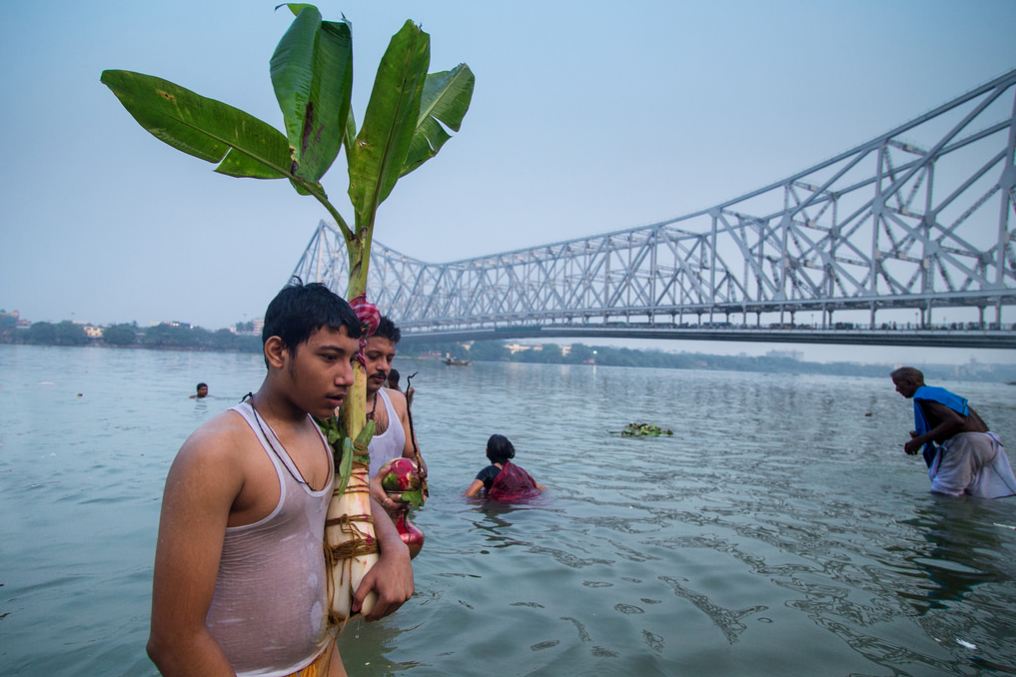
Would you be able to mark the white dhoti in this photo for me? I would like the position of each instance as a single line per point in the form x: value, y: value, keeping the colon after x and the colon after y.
x: 972, y: 464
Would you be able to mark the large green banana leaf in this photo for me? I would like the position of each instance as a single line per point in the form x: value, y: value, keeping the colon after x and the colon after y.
x: 445, y: 100
x: 312, y: 73
x: 296, y: 7
x: 349, y: 133
x: 205, y: 128
x: 379, y: 151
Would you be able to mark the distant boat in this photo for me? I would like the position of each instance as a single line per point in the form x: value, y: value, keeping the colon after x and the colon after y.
x: 453, y: 362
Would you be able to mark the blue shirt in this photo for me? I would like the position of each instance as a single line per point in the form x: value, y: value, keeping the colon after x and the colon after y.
x: 941, y: 396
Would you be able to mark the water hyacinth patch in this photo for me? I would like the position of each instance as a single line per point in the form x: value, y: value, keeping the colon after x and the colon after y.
x: 645, y: 430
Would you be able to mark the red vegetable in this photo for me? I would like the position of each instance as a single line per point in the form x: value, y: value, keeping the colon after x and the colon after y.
x: 401, y: 479
x: 400, y: 474
x: 409, y: 533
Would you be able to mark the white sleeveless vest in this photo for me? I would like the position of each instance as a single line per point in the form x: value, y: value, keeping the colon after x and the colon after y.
x: 389, y: 444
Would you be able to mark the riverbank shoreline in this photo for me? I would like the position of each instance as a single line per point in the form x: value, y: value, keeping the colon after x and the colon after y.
x: 606, y: 356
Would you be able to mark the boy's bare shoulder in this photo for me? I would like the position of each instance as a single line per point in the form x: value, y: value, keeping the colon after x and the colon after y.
x: 220, y: 440
x: 211, y: 468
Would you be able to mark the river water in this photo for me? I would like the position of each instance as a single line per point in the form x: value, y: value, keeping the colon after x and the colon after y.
x: 780, y: 531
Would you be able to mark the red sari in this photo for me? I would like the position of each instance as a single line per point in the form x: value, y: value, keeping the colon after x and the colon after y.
x: 513, y: 483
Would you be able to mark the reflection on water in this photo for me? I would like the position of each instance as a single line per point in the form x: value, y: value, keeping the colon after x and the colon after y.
x: 727, y: 620
x: 494, y: 523
x: 959, y: 553
x: 780, y: 531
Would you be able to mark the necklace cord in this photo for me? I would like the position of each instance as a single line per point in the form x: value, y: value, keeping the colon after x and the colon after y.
x: 249, y: 398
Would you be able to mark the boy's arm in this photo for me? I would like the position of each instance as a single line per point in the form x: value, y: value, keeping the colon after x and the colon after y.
x: 200, y: 489
x: 392, y: 576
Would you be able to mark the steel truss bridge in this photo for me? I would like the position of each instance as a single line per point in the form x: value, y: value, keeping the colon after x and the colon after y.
x: 919, y: 219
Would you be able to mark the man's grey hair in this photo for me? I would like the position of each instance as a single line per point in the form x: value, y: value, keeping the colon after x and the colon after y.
x: 909, y: 374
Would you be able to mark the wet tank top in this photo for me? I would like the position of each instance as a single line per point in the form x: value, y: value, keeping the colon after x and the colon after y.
x: 389, y: 444
x: 268, y: 612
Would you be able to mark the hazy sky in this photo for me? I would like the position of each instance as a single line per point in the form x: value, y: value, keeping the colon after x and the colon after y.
x: 587, y: 117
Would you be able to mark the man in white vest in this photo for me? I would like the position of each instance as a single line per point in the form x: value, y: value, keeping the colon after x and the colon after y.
x: 388, y: 408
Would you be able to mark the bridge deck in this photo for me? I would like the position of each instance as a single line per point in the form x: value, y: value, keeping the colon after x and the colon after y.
x: 1000, y: 339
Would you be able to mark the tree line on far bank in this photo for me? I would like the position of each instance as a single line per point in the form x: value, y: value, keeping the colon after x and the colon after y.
x: 186, y: 337
x: 163, y: 335
x: 550, y: 353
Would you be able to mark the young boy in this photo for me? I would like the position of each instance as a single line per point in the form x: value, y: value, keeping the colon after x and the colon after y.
x: 240, y: 579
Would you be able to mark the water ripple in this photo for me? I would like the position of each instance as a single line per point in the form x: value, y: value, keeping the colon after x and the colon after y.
x: 815, y: 526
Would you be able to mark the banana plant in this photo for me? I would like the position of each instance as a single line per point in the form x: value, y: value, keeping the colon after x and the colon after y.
x: 407, y: 121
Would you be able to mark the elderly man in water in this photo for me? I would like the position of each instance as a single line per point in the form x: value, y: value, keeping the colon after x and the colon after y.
x: 969, y: 459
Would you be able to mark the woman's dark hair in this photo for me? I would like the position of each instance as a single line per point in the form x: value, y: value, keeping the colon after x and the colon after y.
x: 499, y: 449
x: 299, y: 309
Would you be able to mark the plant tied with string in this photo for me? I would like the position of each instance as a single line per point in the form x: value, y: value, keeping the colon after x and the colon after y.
x: 409, y: 117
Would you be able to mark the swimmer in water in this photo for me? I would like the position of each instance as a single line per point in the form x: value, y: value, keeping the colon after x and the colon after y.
x: 502, y: 480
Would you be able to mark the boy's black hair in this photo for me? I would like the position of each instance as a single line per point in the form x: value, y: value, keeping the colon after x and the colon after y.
x: 499, y: 449
x: 200, y: 386
x: 387, y: 329
x: 299, y: 309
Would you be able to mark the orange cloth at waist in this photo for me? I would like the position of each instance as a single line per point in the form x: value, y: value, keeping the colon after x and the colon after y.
x: 319, y: 668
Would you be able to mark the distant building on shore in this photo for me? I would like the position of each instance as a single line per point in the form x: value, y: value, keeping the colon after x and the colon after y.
x: 795, y: 355
x: 522, y: 347
x: 249, y: 328
x: 13, y: 319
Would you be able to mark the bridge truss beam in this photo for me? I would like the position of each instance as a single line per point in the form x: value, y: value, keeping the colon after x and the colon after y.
x: 921, y: 217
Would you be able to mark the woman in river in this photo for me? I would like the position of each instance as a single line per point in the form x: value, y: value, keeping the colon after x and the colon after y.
x: 502, y: 480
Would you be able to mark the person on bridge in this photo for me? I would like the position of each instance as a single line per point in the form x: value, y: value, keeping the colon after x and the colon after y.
x: 393, y: 434
x: 969, y: 459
